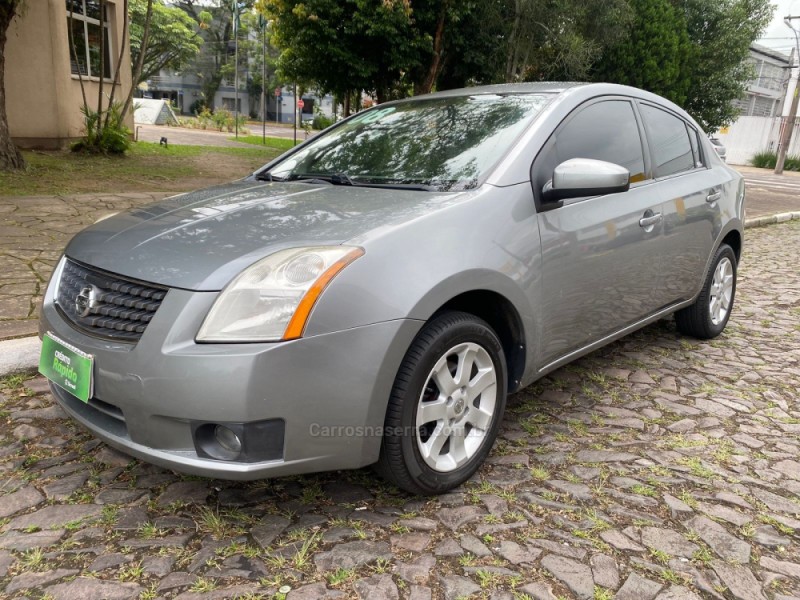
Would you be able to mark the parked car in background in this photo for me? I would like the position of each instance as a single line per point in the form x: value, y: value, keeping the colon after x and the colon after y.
x: 719, y: 148
x: 373, y: 295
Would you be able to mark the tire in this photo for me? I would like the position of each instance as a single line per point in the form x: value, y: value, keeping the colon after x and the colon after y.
x: 703, y: 319
x: 449, y: 340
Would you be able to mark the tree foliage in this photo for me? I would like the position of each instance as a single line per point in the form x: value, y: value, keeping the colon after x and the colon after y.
x: 693, y: 52
x: 654, y: 54
x: 721, y: 33
x: 173, y: 40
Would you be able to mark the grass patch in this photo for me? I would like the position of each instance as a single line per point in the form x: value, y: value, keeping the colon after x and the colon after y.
x: 272, y: 142
x: 147, y: 167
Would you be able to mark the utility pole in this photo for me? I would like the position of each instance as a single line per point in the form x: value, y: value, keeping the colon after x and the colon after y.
x: 789, y: 123
x: 236, y: 65
x: 263, y: 23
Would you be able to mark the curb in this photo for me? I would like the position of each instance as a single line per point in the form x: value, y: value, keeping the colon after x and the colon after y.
x: 772, y: 219
x: 22, y: 354
x: 18, y: 355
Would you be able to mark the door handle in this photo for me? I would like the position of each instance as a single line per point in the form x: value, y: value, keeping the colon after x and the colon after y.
x: 713, y: 197
x: 650, y: 221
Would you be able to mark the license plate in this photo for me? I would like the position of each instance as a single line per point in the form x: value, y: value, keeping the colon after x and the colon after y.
x: 67, y: 367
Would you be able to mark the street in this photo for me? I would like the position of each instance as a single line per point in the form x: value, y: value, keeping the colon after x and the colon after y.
x: 658, y: 467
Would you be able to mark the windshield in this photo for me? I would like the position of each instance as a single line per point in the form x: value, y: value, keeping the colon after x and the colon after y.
x: 438, y: 143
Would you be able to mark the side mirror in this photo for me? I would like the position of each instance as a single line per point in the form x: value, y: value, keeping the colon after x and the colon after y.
x: 580, y: 177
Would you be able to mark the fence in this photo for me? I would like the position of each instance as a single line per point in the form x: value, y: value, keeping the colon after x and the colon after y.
x: 750, y: 135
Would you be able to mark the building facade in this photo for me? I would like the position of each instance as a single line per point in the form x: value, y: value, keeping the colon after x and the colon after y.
x: 766, y: 92
x: 43, y: 92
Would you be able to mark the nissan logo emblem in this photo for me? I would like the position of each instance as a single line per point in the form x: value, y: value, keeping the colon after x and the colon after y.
x: 86, y: 300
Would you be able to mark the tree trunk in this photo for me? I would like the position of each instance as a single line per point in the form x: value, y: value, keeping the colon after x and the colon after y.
x: 116, y: 81
x: 10, y: 157
x: 137, y: 71
x: 436, y: 61
x: 346, y: 107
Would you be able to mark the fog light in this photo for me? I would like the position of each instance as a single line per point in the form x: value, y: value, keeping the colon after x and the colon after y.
x: 227, y: 439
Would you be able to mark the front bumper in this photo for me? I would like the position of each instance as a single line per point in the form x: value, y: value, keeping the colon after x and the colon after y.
x: 330, y: 391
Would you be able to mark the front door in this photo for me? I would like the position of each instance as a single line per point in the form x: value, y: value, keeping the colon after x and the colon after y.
x: 601, y: 256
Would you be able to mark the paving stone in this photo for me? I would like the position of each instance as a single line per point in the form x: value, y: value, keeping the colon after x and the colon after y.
x: 575, y: 575
x: 559, y: 548
x: 605, y: 571
x: 55, y: 516
x: 268, y: 529
x: 114, y: 458
x: 740, y: 581
x: 677, y: 508
x: 604, y: 456
x: 637, y: 587
x: 17, y: 540
x: 620, y: 541
x: 454, y: 518
x: 27, y: 581
x: 578, y: 491
x: 474, y: 546
x: 678, y: 592
x: 416, y: 571
x: 352, y: 554
x: 158, y: 565
x: 726, y: 514
x: 538, y: 590
x: 23, y: 499
x: 377, y: 587
x: 419, y: 524
x: 776, y: 502
x: 456, y: 587
x: 716, y: 536
x: 783, y: 567
x: 668, y: 541
x: 768, y: 536
x: 106, y: 561
x: 176, y: 580
x: 61, y: 489
x: 448, y: 547
x: 413, y: 542
x: 83, y: 588
x: 187, y: 492
x: 418, y: 592
x: 517, y: 554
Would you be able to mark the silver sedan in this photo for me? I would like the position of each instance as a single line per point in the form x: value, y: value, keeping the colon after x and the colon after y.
x: 373, y: 295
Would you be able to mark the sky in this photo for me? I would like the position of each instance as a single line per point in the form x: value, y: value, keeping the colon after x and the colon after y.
x: 778, y: 36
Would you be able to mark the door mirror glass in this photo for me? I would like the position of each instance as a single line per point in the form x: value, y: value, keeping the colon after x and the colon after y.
x: 579, y: 177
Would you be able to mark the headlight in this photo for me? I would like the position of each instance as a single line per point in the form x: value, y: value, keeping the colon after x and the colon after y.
x: 272, y: 299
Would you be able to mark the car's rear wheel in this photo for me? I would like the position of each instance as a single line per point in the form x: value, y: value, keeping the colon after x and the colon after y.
x: 708, y: 316
x: 446, y: 405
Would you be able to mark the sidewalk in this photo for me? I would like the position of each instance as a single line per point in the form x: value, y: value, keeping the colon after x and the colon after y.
x: 33, y: 234
x: 35, y: 230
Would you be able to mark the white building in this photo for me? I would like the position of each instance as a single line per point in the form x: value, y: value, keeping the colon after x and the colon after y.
x: 766, y: 93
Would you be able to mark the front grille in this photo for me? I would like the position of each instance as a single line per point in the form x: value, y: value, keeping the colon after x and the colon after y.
x: 106, y: 305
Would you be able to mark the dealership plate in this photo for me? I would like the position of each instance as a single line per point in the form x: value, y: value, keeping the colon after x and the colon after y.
x: 67, y: 367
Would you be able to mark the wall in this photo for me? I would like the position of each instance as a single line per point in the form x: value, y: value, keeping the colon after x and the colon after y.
x: 43, y: 98
x: 750, y: 135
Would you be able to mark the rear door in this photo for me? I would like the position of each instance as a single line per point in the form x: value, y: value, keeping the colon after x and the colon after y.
x: 601, y: 256
x: 690, y: 192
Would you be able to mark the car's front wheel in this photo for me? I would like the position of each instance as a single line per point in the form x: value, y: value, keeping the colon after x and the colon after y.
x: 708, y: 316
x: 446, y: 405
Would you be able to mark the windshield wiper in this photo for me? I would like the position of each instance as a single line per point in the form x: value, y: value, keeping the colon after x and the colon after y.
x: 334, y: 178
x: 267, y: 176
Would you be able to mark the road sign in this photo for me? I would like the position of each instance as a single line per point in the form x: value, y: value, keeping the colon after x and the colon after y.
x: 300, y: 104
x: 277, y: 92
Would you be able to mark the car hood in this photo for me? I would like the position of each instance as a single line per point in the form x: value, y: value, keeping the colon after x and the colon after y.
x: 201, y: 240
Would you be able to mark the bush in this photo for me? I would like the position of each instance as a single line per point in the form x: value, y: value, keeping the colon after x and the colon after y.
x: 768, y: 159
x: 106, y: 132
x: 197, y: 106
x: 321, y: 121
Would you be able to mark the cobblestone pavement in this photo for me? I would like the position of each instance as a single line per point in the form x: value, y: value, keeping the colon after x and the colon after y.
x: 33, y: 233
x: 659, y: 467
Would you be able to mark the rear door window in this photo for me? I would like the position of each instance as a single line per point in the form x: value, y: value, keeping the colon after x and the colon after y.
x: 669, y: 141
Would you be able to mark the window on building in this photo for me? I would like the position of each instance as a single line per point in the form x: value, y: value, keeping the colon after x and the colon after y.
x: 85, y: 27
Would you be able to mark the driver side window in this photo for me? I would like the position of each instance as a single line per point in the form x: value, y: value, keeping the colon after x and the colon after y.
x: 604, y: 130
